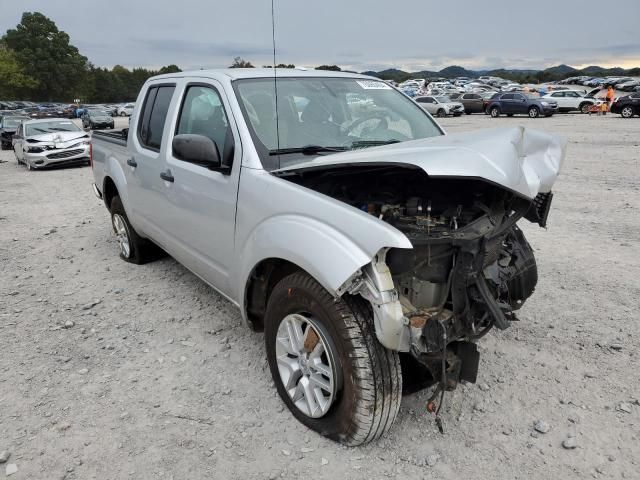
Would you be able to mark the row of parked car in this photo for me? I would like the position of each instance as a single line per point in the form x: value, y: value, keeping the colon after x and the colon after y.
x: 625, y: 84
x: 63, y: 110
x: 495, y: 96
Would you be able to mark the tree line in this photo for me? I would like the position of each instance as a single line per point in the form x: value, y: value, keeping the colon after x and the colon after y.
x: 39, y: 63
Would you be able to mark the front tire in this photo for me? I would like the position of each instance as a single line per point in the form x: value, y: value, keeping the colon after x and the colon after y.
x: 353, y: 396
x: 441, y: 113
x: 626, y: 112
x: 584, y: 107
x: 534, y: 112
x: 133, y: 248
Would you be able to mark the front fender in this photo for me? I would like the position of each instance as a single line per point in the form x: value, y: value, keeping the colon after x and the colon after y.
x: 322, y: 251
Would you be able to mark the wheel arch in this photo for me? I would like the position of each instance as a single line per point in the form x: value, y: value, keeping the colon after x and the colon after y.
x: 261, y: 282
x: 109, y: 191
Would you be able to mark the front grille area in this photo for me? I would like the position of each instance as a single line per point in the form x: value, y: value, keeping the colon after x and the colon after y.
x: 65, y: 154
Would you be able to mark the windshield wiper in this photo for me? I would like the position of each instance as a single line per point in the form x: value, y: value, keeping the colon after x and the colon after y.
x: 307, y: 150
x: 372, y: 143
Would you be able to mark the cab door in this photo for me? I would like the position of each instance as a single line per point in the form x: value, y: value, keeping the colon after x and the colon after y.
x: 199, y: 204
x: 145, y: 162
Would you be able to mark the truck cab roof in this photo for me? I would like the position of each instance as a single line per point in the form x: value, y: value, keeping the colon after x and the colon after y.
x: 241, y: 73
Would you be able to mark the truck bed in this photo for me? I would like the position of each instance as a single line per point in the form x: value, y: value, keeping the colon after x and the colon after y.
x: 118, y: 137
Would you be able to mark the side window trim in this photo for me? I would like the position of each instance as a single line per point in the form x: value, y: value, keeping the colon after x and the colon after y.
x: 184, y: 93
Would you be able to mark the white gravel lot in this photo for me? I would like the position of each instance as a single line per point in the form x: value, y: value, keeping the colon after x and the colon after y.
x: 156, y: 377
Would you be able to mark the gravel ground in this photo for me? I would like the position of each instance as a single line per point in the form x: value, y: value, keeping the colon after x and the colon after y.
x: 114, y: 371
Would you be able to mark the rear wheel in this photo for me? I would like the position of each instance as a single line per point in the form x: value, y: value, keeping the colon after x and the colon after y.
x: 494, y: 112
x: 327, y: 364
x: 534, y: 112
x: 627, y: 112
x: 133, y: 248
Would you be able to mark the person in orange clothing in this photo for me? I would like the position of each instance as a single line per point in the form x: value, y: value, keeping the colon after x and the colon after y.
x: 610, y: 95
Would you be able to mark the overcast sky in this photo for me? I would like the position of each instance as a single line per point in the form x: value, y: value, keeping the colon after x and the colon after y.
x: 355, y: 34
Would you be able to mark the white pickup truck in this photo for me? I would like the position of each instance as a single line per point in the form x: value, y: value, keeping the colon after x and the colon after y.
x: 370, y: 247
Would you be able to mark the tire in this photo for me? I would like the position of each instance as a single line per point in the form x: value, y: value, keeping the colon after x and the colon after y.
x: 626, y: 112
x: 584, y: 107
x: 3, y: 146
x: 133, y: 248
x: 534, y: 112
x: 467, y: 113
x: 509, y: 114
x: 366, y: 382
x: 441, y: 113
x: 494, y: 112
x: 123, y: 114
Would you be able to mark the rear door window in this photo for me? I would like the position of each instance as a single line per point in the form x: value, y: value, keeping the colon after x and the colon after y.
x: 154, y: 115
x: 507, y: 96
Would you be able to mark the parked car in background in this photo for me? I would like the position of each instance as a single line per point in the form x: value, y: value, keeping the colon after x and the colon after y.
x: 627, y: 106
x: 472, y: 103
x: 93, y: 119
x: 569, y: 101
x: 520, y: 104
x: 8, y: 126
x: 440, y: 106
x: 49, y: 142
x: 628, y: 86
x: 125, y: 110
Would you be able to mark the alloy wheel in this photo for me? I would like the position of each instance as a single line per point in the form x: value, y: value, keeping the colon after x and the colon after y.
x: 627, y: 112
x: 306, y: 364
x: 122, y: 234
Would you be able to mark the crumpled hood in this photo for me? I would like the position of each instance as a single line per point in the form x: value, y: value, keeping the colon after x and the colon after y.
x: 519, y: 159
x: 58, y: 137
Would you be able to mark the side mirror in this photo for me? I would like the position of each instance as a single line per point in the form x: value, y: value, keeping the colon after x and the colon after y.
x: 196, y: 149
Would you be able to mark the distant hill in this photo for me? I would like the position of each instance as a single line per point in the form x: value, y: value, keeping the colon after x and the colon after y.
x: 558, y: 72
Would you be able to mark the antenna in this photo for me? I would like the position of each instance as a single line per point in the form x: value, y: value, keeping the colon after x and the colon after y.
x: 275, y: 76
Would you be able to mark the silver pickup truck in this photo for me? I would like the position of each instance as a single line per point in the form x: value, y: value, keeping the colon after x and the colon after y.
x: 333, y: 211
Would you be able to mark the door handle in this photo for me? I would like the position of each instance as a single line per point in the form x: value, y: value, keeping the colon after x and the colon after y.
x: 132, y: 162
x: 167, y: 176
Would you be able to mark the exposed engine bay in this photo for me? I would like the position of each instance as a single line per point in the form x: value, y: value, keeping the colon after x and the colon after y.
x: 470, y: 268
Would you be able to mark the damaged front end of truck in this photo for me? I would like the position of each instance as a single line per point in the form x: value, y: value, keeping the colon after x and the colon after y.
x: 470, y: 268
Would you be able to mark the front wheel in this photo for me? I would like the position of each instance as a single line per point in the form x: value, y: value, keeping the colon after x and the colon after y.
x: 584, y: 108
x: 327, y: 364
x: 441, y: 113
x: 626, y: 112
x: 534, y: 112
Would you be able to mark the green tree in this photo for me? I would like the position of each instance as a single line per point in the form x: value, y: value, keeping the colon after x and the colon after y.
x: 333, y: 68
x: 13, y: 81
x: 45, y: 54
x: 239, y: 62
x: 169, y: 69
